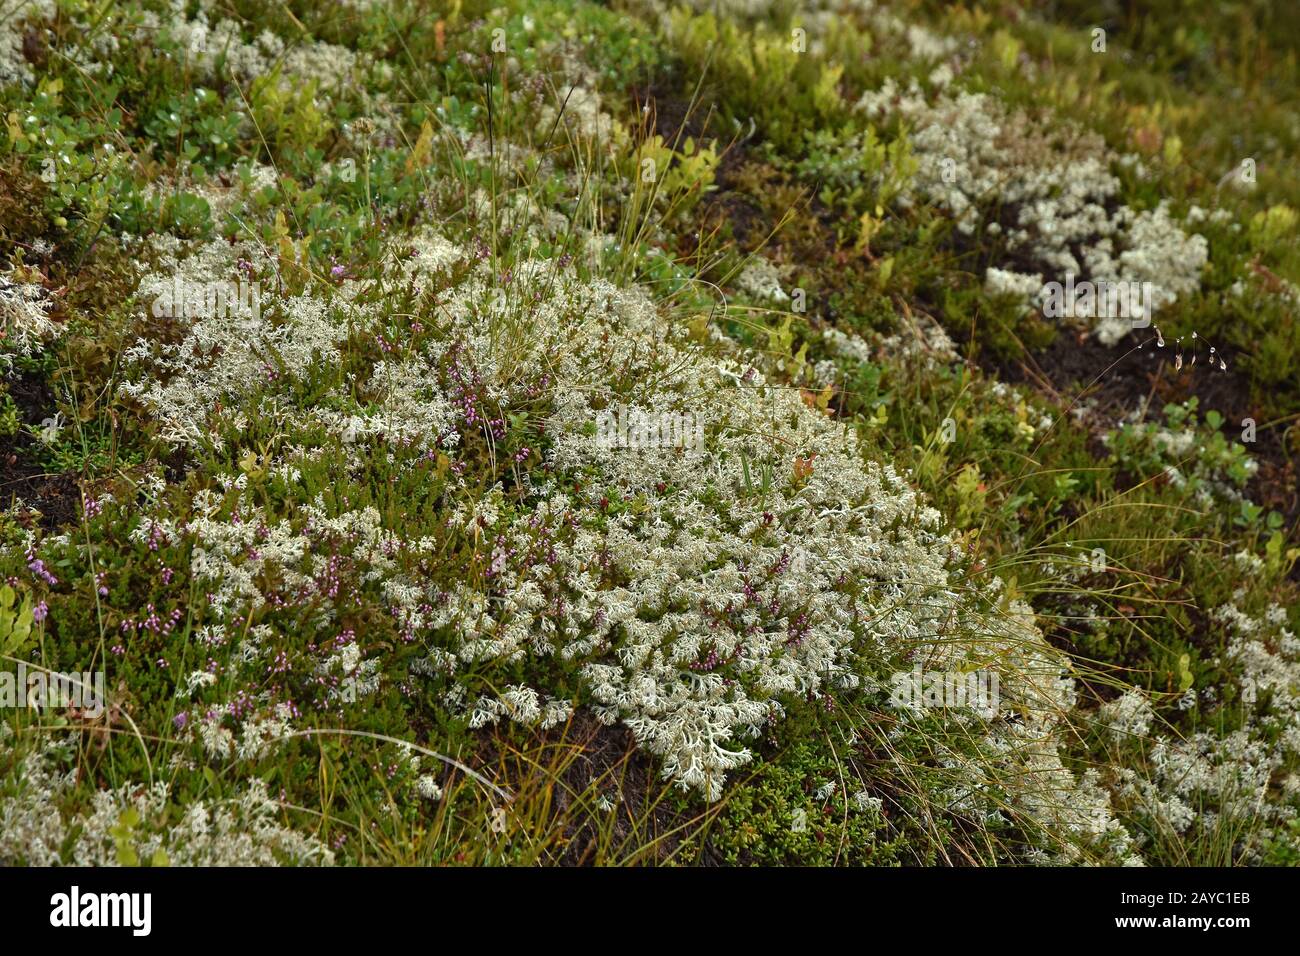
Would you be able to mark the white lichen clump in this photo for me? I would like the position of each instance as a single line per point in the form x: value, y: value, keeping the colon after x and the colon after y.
x: 772, y: 563
x: 1047, y: 194
x: 14, y: 17
x: 24, y: 316
x: 129, y: 824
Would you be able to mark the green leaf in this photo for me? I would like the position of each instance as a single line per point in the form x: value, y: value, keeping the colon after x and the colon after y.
x: 15, y: 628
x: 126, y: 855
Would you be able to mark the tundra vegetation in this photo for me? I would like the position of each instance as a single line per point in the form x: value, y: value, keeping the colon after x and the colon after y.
x: 657, y: 432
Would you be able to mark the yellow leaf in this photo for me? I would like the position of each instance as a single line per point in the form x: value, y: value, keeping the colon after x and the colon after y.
x: 867, y: 227
x: 1173, y: 150
x: 886, y: 269
x: 420, y: 152
x: 1007, y: 49
x: 698, y: 327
